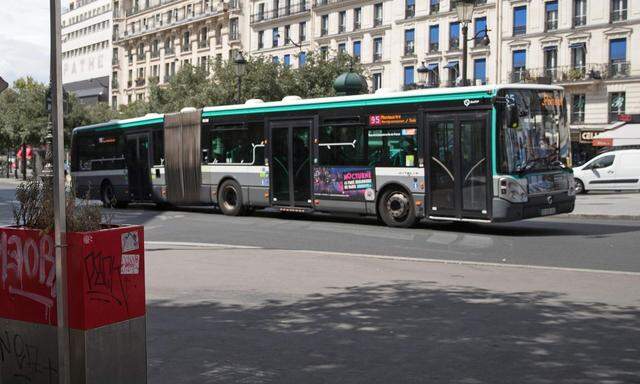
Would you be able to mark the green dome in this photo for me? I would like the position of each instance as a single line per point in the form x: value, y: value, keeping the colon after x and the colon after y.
x: 350, y: 83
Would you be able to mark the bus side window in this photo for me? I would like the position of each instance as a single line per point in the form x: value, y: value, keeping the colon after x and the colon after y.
x: 341, y: 144
x: 392, y: 147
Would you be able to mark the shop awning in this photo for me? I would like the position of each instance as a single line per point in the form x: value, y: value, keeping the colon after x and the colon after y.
x: 432, y: 67
x: 628, y: 134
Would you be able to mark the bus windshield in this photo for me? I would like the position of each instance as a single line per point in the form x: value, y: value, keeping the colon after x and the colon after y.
x: 535, y: 137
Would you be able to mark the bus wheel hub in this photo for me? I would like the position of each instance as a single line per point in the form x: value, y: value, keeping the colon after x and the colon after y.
x: 398, y: 205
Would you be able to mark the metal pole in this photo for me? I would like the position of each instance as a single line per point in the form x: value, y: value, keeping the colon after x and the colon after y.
x: 465, y: 31
x: 239, y: 89
x: 59, y: 196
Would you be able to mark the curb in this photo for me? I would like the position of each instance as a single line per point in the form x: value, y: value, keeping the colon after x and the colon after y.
x: 601, y: 216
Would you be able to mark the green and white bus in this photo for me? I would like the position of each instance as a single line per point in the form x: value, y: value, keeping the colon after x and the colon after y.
x: 487, y: 154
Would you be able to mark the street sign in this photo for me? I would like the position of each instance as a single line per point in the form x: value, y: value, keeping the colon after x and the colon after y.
x: 602, y: 142
x: 3, y: 84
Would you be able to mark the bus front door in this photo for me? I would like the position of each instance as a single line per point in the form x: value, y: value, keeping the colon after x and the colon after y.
x: 138, y: 164
x: 290, y: 163
x: 458, y: 174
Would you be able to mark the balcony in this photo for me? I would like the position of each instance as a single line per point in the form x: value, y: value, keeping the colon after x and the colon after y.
x: 618, y: 15
x: 274, y: 14
x: 155, y: 54
x: 140, y: 82
x: 618, y: 69
x: 135, y: 10
x: 233, y: 36
x: 203, y: 44
x: 341, y: 29
x: 579, y: 20
x: 169, y: 51
x: 377, y: 22
x: 568, y: 75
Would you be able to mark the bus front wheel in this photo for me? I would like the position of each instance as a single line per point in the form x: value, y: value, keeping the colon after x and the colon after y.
x: 396, y: 208
x: 230, y: 198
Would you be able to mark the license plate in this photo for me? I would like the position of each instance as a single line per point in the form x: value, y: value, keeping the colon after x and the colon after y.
x: 547, y: 211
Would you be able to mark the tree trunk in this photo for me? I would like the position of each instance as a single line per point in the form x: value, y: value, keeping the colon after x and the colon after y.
x: 24, y: 161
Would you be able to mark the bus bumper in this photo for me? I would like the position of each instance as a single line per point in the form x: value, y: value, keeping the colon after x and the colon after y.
x: 537, y: 206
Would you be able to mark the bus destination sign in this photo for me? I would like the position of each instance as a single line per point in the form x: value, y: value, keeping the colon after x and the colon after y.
x: 392, y: 119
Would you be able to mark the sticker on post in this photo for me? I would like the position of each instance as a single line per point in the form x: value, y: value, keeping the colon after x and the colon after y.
x: 130, y: 241
x: 130, y: 265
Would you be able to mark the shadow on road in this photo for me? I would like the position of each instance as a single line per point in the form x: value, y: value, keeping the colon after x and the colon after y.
x: 405, y: 332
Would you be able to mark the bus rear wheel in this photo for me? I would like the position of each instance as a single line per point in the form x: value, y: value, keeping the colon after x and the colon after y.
x: 230, y: 199
x: 396, y: 208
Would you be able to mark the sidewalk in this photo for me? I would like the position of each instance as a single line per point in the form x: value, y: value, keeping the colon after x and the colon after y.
x: 225, y: 315
x: 600, y: 205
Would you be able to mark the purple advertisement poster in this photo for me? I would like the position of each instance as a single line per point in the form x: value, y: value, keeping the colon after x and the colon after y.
x: 353, y: 183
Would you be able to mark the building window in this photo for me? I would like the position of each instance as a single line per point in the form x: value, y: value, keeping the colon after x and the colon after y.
x: 408, y: 76
x: 479, y: 29
x: 302, y: 59
x: 287, y: 60
x: 480, y: 71
x: 551, y: 15
x: 357, y: 50
x: 550, y: 62
x: 377, y: 49
x: 302, y: 31
x: 434, y: 6
x: 260, y: 39
x: 186, y: 41
x: 519, y: 66
x: 275, y: 60
x: 287, y: 34
x: 409, y: 42
x: 433, y: 75
x: 342, y: 48
x: 616, y: 105
x: 324, y: 52
x: 377, y: 14
x: 260, y: 15
x: 578, y: 58
x: 578, y: 102
x: 357, y: 18
x: 342, y: 21
x: 376, y: 81
x: 618, y: 65
x: 454, y: 36
x: 434, y: 38
x: 409, y: 9
x: 203, y: 38
x: 275, y: 36
x: 520, y: 20
x: 324, y: 25
x: 453, y: 69
x: 618, y: 10
x: 579, y: 13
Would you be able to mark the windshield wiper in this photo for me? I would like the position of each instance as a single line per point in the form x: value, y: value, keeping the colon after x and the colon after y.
x: 534, y: 160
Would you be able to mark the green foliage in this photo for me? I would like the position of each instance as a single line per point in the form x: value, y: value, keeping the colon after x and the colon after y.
x: 23, y: 115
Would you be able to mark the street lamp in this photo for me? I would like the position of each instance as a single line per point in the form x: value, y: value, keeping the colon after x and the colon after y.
x: 465, y: 13
x: 422, y: 75
x: 241, y: 68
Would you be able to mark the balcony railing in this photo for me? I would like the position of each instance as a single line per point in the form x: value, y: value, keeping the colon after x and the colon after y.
x: 377, y: 21
x: 325, y: 32
x: 203, y: 44
x: 410, y: 12
x: 434, y: 48
x: 169, y: 51
x: 136, y: 10
x: 274, y: 14
x: 357, y: 25
x: 551, y: 25
x: 618, y: 15
x: 519, y: 30
x: 579, y: 20
x: 341, y: 28
x: 155, y: 54
x: 140, y: 82
x: 377, y: 57
x: 572, y: 74
x: 454, y: 44
x: 409, y: 49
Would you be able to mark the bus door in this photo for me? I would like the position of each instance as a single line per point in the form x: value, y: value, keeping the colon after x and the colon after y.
x: 458, y: 174
x: 290, y: 162
x: 138, y: 166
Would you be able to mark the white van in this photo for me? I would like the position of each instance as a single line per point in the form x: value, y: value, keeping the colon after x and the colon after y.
x: 614, y: 170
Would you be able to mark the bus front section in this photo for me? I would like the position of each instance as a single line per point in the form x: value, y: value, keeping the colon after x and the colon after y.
x: 532, y: 174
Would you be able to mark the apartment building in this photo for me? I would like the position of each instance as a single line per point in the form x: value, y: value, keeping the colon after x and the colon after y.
x: 86, y: 49
x: 154, y: 38
x: 583, y: 45
x: 391, y: 38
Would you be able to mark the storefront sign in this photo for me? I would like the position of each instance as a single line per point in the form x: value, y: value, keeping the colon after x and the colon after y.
x: 602, y: 142
x: 353, y: 183
x: 587, y: 136
x: 393, y: 119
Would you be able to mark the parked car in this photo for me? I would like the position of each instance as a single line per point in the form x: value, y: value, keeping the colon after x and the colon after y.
x: 614, y: 170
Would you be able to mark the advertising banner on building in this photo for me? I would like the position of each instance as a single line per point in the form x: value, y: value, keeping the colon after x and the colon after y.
x: 352, y: 183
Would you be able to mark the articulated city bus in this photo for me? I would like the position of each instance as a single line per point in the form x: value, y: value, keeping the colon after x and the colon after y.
x: 487, y: 154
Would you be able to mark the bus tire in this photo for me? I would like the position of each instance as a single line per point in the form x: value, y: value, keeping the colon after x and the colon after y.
x: 230, y: 198
x: 107, y: 195
x: 396, y: 208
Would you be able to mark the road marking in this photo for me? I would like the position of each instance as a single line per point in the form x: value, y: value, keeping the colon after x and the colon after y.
x: 399, y: 258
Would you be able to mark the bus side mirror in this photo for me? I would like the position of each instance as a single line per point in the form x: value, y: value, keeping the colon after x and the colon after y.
x: 512, y: 116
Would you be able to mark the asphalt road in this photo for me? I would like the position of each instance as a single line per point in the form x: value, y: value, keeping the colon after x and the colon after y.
x: 550, y: 242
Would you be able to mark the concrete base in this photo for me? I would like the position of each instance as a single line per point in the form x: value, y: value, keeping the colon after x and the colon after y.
x: 115, y: 353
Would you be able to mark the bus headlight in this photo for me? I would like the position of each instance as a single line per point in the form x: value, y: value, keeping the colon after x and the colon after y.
x: 572, y: 185
x: 512, y: 190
